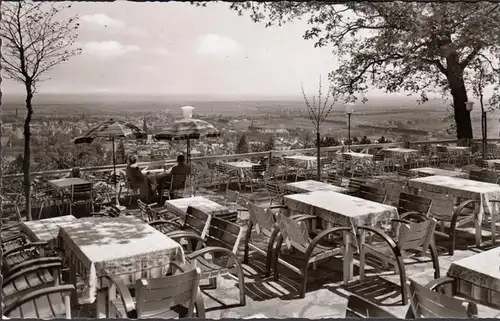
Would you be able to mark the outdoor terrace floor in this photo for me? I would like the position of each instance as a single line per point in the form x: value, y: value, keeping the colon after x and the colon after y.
x: 326, y: 295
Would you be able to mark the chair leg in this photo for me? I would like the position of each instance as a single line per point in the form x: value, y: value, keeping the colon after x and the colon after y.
x: 402, y: 279
x: 362, y: 263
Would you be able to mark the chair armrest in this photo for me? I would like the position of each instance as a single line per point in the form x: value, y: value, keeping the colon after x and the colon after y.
x: 400, y: 220
x: 25, y: 247
x: 392, y: 244
x: 435, y: 284
x: 128, y: 301
x: 414, y: 215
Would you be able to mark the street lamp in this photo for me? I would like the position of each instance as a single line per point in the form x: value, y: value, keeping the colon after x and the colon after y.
x: 349, y: 109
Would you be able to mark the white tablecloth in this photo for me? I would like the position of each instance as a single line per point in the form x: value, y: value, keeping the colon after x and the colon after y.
x: 46, y: 230
x: 123, y: 246
x: 311, y: 186
x: 438, y: 171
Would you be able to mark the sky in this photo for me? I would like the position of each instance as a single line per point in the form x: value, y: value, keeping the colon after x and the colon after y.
x: 175, y: 48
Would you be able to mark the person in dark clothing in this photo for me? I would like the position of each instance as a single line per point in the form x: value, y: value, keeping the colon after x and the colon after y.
x: 163, y: 180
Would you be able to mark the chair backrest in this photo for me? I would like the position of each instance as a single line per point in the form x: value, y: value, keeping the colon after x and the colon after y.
x: 405, y: 172
x: 440, y: 150
x: 257, y: 169
x: 378, y: 157
x: 178, y: 182
x: 372, y: 193
x: 355, y: 183
x: 416, y: 235
x: 114, y: 211
x: 425, y: 150
x: 45, y: 303
x: 147, y: 214
x: 295, y: 232
x: 346, y: 157
x: 480, y: 163
x: 197, y: 220
x: 81, y: 192
x: 484, y: 176
x: 334, y: 179
x: 261, y: 219
x: 413, y: 203
x: 225, y: 234
x: 156, y: 296
x: 290, y: 162
x: 220, y: 168
x: 496, y: 166
x: 426, y: 303
x: 273, y: 188
x: 359, y: 308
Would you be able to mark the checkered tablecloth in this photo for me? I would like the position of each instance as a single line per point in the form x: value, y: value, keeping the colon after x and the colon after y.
x: 46, y: 230
x: 341, y: 209
x: 179, y: 206
x: 478, y: 277
x: 312, y: 186
x: 124, y: 246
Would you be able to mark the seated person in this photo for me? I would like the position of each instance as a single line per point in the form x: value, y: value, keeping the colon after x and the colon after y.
x: 75, y: 173
x: 163, y: 180
x: 138, y: 180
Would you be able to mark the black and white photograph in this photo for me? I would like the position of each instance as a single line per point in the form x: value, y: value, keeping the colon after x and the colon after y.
x: 249, y: 159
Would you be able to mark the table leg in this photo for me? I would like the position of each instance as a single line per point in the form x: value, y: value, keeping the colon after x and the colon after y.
x: 348, y: 258
x: 478, y: 224
x: 101, y: 303
x: 72, y: 280
x: 493, y: 223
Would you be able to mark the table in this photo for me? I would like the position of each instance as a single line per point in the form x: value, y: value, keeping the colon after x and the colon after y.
x: 343, y: 210
x: 478, y: 277
x: 400, y: 152
x: 491, y: 163
x: 46, y: 230
x: 309, y: 160
x: 125, y: 247
x: 311, y: 186
x: 179, y: 206
x: 66, y: 182
x: 466, y: 189
x: 240, y: 166
x: 359, y: 155
x: 438, y: 171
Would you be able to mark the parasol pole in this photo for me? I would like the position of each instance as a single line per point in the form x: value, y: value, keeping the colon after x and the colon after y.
x: 188, y: 151
x: 114, y: 170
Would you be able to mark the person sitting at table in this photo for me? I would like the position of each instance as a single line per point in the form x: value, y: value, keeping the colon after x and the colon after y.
x: 163, y: 180
x: 138, y: 180
x: 75, y: 173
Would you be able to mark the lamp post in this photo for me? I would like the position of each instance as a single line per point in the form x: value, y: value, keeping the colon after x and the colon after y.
x: 187, y: 113
x: 349, y: 109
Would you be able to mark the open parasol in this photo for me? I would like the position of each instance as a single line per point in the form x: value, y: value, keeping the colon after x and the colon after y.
x: 110, y: 129
x: 187, y: 128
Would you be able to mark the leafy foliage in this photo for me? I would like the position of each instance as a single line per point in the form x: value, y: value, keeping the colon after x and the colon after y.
x: 242, y: 145
x: 35, y: 40
x: 416, y: 47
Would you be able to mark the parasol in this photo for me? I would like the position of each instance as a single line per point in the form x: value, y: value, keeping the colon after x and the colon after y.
x: 187, y: 128
x: 110, y: 129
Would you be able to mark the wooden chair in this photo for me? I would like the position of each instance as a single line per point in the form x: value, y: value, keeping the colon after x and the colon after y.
x: 373, y: 194
x: 30, y: 275
x: 275, y: 192
x: 111, y: 211
x: 378, y: 164
x: 426, y: 302
x: 262, y: 222
x: 296, y: 234
x: 405, y: 174
x: 177, y: 184
x: 443, y: 155
x: 354, y: 185
x: 231, y: 201
x: 409, y: 203
x: 24, y: 252
x: 484, y: 176
x: 410, y: 236
x: 132, y: 190
x: 480, y: 163
x: 255, y: 176
x: 156, y: 298
x: 223, y: 240
x: 194, y: 221
x: 81, y: 193
x: 334, y: 179
x: 46, y: 303
x: 291, y: 167
x: 43, y: 196
x: 359, y: 308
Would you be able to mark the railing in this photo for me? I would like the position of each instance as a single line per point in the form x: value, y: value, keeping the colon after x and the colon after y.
x: 269, y: 154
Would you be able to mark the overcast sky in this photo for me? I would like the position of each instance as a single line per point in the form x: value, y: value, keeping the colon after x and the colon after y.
x: 177, y: 48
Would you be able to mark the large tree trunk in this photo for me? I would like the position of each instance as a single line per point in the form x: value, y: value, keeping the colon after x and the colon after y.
x: 459, y: 92
x: 27, y: 150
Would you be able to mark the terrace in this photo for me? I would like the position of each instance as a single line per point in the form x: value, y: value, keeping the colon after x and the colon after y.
x: 327, y: 292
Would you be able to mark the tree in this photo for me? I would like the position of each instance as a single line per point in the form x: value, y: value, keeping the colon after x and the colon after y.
x: 317, y: 114
x: 242, y: 145
x: 120, y: 152
x: 365, y: 141
x: 35, y: 42
x: 270, y: 144
x: 482, y: 75
x: 417, y: 47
